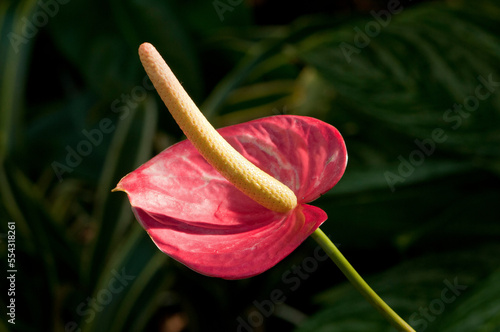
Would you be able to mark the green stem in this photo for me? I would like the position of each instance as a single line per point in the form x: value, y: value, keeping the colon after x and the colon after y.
x: 358, y: 282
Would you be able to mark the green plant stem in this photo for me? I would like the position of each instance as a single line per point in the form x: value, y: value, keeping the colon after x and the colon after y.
x: 358, y: 282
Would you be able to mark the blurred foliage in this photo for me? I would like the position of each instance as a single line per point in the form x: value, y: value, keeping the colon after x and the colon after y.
x: 415, y: 212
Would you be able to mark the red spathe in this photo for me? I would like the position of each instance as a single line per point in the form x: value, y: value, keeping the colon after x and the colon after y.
x: 197, y: 217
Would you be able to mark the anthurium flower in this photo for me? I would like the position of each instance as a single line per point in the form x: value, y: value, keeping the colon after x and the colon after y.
x: 231, y: 203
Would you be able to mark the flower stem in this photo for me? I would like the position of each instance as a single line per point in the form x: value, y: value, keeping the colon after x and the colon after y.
x: 358, y: 282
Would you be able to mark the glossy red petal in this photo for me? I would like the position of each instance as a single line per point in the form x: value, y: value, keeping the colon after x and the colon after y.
x: 306, y: 154
x: 236, y: 251
x: 197, y: 217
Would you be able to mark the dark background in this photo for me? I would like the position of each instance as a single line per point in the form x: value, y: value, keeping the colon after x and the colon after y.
x: 417, y: 213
